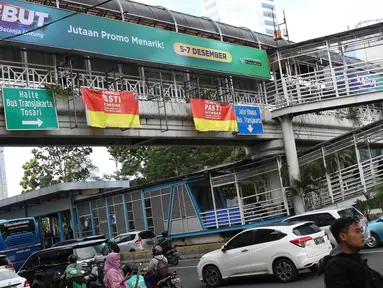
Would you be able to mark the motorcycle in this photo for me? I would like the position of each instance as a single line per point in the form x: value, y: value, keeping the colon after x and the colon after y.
x: 173, y: 256
x: 170, y: 281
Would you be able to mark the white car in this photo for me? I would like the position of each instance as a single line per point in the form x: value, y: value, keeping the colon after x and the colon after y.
x: 324, y: 217
x: 281, y: 249
x: 10, y: 279
x: 136, y: 241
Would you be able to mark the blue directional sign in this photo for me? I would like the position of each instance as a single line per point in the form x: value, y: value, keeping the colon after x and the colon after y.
x: 249, y: 120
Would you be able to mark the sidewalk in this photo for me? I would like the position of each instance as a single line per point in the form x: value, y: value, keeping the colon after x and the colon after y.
x: 187, y: 252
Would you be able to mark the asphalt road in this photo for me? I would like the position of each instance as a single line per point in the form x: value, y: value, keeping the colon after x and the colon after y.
x: 187, y: 271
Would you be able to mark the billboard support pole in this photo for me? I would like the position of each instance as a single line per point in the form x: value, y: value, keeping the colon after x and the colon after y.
x: 121, y: 10
x: 255, y: 36
x: 216, y: 26
x: 171, y: 16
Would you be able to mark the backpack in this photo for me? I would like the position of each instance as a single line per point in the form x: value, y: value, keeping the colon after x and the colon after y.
x: 100, y: 272
x: 72, y: 272
x: 162, y: 268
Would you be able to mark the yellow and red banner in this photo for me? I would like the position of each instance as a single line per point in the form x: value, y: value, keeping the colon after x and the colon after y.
x: 210, y: 115
x: 106, y: 108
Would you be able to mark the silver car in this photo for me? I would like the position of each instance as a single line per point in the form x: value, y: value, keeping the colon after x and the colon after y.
x: 135, y: 241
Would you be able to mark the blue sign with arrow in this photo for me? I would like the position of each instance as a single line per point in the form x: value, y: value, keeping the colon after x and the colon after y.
x: 249, y: 120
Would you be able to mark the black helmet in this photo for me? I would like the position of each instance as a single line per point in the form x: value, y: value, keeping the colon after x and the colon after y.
x: 129, y: 268
x: 165, y: 233
x: 157, y: 250
x: 72, y: 258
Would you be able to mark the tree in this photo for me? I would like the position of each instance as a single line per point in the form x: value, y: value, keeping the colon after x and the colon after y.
x: 52, y: 165
x: 310, y: 184
x: 157, y: 163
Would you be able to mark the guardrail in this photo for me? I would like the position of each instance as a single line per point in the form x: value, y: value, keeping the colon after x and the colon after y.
x: 221, y: 217
x: 325, y: 84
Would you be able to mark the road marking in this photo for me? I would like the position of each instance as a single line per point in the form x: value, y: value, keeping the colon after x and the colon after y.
x: 371, y: 252
x: 184, y: 267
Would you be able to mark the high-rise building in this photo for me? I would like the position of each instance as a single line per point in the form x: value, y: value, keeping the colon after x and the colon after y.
x: 3, y: 176
x: 256, y: 15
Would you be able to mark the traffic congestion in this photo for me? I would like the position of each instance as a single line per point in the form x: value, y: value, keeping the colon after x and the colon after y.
x: 284, y: 249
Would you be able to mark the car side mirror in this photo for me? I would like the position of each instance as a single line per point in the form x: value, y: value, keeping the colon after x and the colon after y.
x: 224, y: 248
x: 380, y: 219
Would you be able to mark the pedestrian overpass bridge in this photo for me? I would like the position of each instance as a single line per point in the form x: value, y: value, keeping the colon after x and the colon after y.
x: 313, y: 84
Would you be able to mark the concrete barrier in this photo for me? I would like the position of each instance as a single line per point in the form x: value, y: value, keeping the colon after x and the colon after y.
x: 187, y: 252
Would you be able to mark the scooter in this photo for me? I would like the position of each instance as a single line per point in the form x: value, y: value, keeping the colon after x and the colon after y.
x: 173, y: 256
x: 170, y: 281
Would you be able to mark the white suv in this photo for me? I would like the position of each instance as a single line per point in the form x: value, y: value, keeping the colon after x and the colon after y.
x: 281, y: 249
x: 324, y: 217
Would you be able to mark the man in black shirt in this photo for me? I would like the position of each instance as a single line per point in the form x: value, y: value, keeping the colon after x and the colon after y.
x: 344, y: 268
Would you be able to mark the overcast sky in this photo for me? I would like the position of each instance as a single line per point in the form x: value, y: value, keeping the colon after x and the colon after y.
x: 305, y: 18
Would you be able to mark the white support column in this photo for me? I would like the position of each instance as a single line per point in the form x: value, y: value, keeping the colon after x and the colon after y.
x: 240, y: 205
x: 283, y: 190
x: 175, y: 85
x: 283, y: 80
x: 291, y: 157
x: 329, y: 187
x: 332, y: 70
x: 214, y: 205
x: 24, y: 59
x: 361, y: 174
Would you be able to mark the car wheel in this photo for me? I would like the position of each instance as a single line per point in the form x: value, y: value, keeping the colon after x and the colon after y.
x: 211, y: 276
x: 175, y: 261
x: 132, y: 250
x: 285, y: 270
x: 373, y: 241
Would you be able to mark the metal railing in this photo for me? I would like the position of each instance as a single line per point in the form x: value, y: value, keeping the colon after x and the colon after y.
x: 328, y: 83
x: 259, y: 210
x: 224, y: 217
x: 353, y: 167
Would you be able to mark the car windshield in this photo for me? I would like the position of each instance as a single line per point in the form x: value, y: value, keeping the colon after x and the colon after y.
x: 90, y: 251
x: 6, y: 274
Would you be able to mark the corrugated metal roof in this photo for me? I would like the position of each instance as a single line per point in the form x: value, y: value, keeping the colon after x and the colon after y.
x: 182, y: 19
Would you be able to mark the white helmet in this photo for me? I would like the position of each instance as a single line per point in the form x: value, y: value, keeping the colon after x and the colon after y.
x: 98, y: 258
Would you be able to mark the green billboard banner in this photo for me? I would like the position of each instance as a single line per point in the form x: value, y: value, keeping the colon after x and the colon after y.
x: 126, y: 40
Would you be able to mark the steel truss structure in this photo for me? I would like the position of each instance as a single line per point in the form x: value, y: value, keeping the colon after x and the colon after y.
x: 352, y: 166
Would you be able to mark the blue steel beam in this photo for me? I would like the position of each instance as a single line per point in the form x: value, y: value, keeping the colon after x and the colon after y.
x: 61, y: 225
x: 170, y: 210
x: 125, y: 213
x: 91, y: 218
x: 144, y: 210
x: 195, y: 204
x: 77, y: 219
x: 108, y: 218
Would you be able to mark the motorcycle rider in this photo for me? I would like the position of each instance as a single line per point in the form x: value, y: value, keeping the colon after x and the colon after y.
x: 165, y: 243
x: 158, y: 267
x: 131, y: 276
x: 96, y: 277
x: 72, y: 273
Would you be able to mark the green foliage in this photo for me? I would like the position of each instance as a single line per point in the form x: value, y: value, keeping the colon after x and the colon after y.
x: 52, y: 165
x: 156, y: 163
x: 371, y: 202
x: 341, y: 159
x: 57, y: 90
x: 310, y: 184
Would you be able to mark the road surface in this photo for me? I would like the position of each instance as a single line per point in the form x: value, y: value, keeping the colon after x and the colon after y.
x: 187, y: 271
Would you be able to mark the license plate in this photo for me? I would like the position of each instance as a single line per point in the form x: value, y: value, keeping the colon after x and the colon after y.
x: 319, y: 240
x: 150, y: 242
